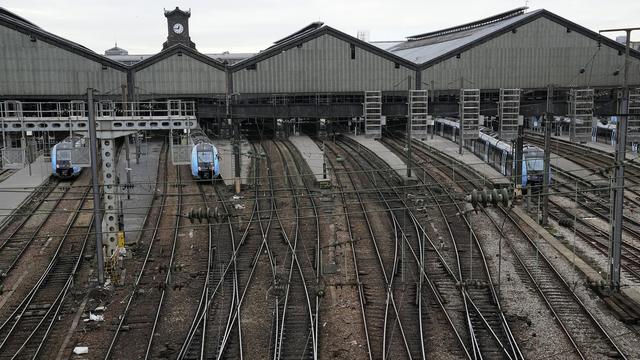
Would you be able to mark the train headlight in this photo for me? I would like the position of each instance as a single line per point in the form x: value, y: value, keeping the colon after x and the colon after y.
x: 199, y: 168
x: 57, y: 166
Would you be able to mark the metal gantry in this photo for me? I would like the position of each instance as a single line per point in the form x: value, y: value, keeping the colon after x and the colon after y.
x: 581, y: 113
x: 633, y: 120
x: 469, y: 115
x: 112, y: 120
x: 418, y: 111
x: 509, y: 113
x: 373, y: 114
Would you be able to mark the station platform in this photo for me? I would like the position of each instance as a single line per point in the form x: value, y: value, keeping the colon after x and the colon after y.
x: 384, y: 153
x: 137, y: 200
x: 311, y: 153
x: 227, y: 169
x: 16, y: 188
x: 451, y: 149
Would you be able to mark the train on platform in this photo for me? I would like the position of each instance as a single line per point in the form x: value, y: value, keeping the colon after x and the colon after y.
x: 205, y: 159
x: 607, y: 130
x: 498, y: 153
x: 62, y: 164
x: 603, y: 131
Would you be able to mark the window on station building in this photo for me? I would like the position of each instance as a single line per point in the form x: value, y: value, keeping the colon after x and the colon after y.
x: 353, y: 51
x: 396, y: 65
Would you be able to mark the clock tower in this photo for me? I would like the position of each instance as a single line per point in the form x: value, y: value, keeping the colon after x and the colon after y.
x: 178, y: 26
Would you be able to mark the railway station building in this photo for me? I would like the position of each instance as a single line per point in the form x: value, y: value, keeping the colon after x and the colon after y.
x: 319, y: 72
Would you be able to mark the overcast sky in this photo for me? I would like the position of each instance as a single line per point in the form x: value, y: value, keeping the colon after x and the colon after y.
x: 250, y: 25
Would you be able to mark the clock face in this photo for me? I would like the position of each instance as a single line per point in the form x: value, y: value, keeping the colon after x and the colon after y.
x: 178, y: 28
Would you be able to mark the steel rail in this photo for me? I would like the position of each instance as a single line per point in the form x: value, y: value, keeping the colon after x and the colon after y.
x: 378, y: 257
x: 603, y: 246
x: 263, y: 244
x: 398, y: 230
x: 45, y: 188
x: 555, y: 311
x: 60, y: 301
x: 27, y: 240
x: 235, y: 299
x: 201, y: 318
x: 314, y: 207
x: 143, y: 268
x: 556, y: 274
x: 512, y: 343
x: 361, y: 296
x: 194, y: 327
x: 294, y: 262
x: 458, y: 277
x: 172, y: 257
x: 12, y: 322
x: 424, y: 274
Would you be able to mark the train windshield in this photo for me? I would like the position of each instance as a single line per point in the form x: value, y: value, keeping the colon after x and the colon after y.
x: 205, y: 156
x: 64, y: 155
x: 534, y: 160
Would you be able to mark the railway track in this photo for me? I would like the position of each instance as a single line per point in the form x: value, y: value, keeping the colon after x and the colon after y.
x: 309, y: 210
x: 206, y: 332
x: 568, y: 310
x: 24, y: 331
x: 5, y: 173
x: 295, y: 333
x: 489, y: 330
x: 186, y: 276
x: 598, y: 239
x: 45, y: 217
x: 598, y: 162
x: 148, y: 289
x: 365, y: 273
x: 594, y: 198
x: 256, y: 261
x: 403, y: 332
x: 438, y: 340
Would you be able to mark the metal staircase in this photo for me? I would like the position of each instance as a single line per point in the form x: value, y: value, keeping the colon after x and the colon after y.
x: 581, y: 112
x: 469, y: 113
x: 373, y: 114
x: 418, y: 110
x: 633, y: 121
x: 509, y: 112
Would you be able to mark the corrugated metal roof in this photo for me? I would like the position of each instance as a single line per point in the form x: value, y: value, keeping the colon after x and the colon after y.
x: 482, y: 22
x: 421, y: 51
x: 12, y: 15
x: 222, y: 57
x: 309, y: 28
x: 385, y: 45
x: 16, y: 22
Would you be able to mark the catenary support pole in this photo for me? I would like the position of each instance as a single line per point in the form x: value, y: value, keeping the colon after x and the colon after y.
x: 548, y: 123
x: 409, y: 119
x: 618, y: 189
x: 97, y: 206
x: 519, y: 143
x: 620, y: 157
x: 236, y: 154
x: 460, y: 137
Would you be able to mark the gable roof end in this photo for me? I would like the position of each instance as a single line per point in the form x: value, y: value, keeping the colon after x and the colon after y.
x: 18, y: 24
x: 312, y: 34
x: 176, y: 49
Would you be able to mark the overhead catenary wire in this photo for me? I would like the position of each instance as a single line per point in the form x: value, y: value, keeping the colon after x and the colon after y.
x: 436, y: 167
